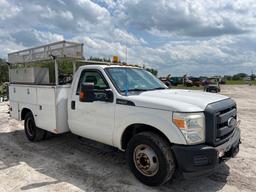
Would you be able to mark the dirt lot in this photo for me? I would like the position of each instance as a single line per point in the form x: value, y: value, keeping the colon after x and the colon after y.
x: 67, y: 163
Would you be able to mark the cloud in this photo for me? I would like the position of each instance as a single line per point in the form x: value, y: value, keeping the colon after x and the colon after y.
x: 177, y: 37
x: 8, y: 10
x: 68, y: 16
x: 29, y: 38
x: 190, y: 18
x: 102, y: 48
x: 127, y: 38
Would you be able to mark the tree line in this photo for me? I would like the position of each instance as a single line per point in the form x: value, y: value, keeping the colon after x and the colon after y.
x: 4, y: 74
x: 67, y: 68
x: 240, y: 76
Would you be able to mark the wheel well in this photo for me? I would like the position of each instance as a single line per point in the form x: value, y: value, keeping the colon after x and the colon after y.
x: 24, y: 112
x: 133, y: 129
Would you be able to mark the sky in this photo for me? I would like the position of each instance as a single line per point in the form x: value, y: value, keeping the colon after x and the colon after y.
x: 177, y: 37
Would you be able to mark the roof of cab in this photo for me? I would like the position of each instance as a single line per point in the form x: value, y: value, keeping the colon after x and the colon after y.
x: 108, y: 64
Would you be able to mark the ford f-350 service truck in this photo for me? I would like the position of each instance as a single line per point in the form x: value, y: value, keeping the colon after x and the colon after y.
x: 161, y: 130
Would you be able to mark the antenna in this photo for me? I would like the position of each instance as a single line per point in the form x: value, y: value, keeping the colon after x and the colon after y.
x: 126, y: 54
x: 126, y: 83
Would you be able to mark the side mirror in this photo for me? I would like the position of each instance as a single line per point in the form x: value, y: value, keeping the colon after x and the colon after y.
x: 87, y: 92
x: 109, y: 96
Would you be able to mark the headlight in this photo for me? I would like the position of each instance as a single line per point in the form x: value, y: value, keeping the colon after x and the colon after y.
x: 192, y: 125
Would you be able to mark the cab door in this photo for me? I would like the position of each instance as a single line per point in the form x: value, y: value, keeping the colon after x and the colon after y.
x: 94, y: 120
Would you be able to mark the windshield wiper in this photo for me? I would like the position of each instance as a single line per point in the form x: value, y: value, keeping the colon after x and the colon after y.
x: 157, y: 88
x: 135, y: 90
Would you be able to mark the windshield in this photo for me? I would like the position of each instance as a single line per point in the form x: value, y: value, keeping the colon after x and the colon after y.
x: 133, y: 79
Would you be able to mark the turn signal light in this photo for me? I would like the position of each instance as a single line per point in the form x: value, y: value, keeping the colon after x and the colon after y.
x: 179, y: 123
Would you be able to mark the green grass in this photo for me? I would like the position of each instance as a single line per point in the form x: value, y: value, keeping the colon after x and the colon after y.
x: 238, y: 82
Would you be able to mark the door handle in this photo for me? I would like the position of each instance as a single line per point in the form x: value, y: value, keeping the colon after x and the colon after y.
x: 73, y: 105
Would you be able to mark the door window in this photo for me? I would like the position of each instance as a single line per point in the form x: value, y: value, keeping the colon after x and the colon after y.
x: 95, y: 77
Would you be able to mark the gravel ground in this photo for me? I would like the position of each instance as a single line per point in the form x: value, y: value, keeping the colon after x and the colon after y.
x: 69, y: 163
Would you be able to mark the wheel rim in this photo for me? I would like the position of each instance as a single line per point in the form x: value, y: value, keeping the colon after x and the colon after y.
x: 30, y: 127
x: 145, y: 160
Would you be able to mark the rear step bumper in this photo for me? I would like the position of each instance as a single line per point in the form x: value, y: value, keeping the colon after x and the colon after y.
x: 202, y: 159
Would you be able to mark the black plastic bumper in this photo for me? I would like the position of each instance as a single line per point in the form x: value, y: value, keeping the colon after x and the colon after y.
x: 202, y: 159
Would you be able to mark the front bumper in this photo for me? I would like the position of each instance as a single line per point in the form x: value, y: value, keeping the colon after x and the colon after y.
x: 202, y: 159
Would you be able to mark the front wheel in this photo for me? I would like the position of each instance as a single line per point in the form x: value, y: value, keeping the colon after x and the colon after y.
x: 33, y: 133
x: 150, y: 158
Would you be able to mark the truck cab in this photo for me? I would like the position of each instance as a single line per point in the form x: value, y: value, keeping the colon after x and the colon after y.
x: 161, y: 130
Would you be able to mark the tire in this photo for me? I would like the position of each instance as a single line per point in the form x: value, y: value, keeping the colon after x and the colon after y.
x: 48, y: 135
x: 32, y: 132
x: 158, y: 152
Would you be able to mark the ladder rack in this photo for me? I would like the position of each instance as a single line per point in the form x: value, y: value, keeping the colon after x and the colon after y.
x: 61, y: 49
x: 53, y: 51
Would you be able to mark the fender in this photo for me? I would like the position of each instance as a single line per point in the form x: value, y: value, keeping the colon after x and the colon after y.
x: 152, y: 117
x: 30, y: 107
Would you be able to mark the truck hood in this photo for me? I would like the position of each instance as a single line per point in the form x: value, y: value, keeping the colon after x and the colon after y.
x: 176, y: 99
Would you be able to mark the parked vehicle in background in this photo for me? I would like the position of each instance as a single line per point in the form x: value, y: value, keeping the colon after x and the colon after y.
x: 212, y: 85
x: 196, y: 81
x: 222, y: 81
x: 171, y: 81
x: 188, y: 83
x: 166, y: 81
x: 213, y: 88
x: 175, y: 81
x: 161, y: 130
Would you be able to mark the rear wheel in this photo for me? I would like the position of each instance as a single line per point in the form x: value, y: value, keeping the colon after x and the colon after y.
x: 33, y: 133
x: 150, y: 158
x: 48, y: 135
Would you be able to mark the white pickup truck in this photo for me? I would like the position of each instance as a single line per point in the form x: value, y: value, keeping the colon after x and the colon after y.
x: 162, y: 130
